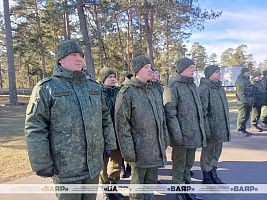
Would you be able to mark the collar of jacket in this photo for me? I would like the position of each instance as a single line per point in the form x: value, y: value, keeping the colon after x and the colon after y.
x: 110, y: 90
x: 253, y: 81
x: 210, y: 83
x: 242, y: 76
x: 137, y: 83
x: 75, y: 77
x: 180, y: 78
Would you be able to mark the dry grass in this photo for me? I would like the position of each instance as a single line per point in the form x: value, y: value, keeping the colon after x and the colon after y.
x: 14, y: 161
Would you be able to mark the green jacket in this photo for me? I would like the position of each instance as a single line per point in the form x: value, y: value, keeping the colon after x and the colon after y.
x: 140, y: 124
x: 183, y: 112
x: 244, y: 90
x: 159, y: 87
x: 68, y: 124
x: 264, y: 84
x: 215, y: 111
x: 259, y: 93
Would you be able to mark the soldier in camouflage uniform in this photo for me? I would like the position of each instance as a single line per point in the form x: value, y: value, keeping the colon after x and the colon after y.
x: 259, y: 101
x: 140, y: 126
x: 185, y: 123
x: 264, y: 108
x: 245, y: 100
x: 68, y: 128
x: 123, y: 76
x: 155, y: 81
x: 107, y: 81
x: 216, y: 122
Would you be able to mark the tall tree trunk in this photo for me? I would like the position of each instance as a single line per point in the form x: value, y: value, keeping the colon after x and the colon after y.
x: 10, y: 56
x: 40, y: 38
x: 83, y: 27
x: 66, y: 24
x: 123, y: 62
x: 1, y: 84
x: 132, y: 38
x: 99, y: 36
x: 128, y: 39
x: 149, y: 30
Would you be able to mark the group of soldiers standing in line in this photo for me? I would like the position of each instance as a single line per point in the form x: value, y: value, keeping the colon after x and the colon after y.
x: 251, y: 99
x: 74, y: 126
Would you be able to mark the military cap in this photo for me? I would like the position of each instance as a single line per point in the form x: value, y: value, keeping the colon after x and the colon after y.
x: 66, y: 48
x: 183, y: 63
x: 208, y: 71
x: 123, y: 75
x: 244, y: 70
x: 104, y: 73
x: 255, y: 74
x: 138, y: 63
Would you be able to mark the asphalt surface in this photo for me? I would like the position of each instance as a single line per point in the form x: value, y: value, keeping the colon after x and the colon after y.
x: 243, y: 161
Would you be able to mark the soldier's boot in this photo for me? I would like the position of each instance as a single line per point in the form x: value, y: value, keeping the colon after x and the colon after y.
x: 180, y: 196
x: 264, y: 124
x: 215, y: 179
x: 243, y: 132
x: 206, y: 178
x: 255, y: 128
x: 191, y: 196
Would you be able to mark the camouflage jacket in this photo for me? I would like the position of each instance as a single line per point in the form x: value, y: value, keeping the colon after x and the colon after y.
x: 215, y: 111
x: 68, y: 124
x: 140, y: 124
x: 183, y: 112
x: 264, y: 84
x: 259, y: 93
x: 159, y: 87
x: 110, y: 96
x: 244, y: 90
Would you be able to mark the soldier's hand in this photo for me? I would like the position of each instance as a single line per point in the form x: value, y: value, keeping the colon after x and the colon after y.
x: 130, y: 159
x: 107, y: 154
x: 47, y: 172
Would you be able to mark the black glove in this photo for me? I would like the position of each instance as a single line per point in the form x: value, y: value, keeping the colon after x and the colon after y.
x: 107, y: 154
x: 47, y: 172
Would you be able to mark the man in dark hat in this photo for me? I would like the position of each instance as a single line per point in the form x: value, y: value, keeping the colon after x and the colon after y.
x: 245, y: 100
x: 264, y: 107
x: 259, y: 101
x: 123, y: 76
x: 110, y: 175
x: 68, y: 128
x: 156, y: 82
x: 140, y: 126
x: 216, y: 121
x: 185, y: 123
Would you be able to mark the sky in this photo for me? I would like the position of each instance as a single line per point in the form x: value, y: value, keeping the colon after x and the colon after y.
x: 242, y: 22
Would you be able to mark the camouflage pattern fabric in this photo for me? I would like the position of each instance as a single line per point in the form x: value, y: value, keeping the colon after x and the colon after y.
x: 68, y: 124
x: 259, y: 93
x: 143, y: 176
x: 210, y: 156
x: 183, y: 112
x: 183, y: 160
x: 77, y: 196
x: 140, y: 124
x: 215, y: 110
x: 159, y: 87
x: 264, y: 108
x: 255, y: 114
x: 243, y: 116
x: 244, y: 91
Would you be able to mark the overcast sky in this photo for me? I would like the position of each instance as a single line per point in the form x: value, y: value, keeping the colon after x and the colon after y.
x: 242, y: 22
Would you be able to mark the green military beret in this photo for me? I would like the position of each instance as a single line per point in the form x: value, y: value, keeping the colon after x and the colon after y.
x: 104, y: 73
x: 138, y: 63
x: 255, y: 74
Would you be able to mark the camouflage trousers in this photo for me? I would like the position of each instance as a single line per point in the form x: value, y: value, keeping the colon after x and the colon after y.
x: 78, y: 196
x: 143, y: 176
x: 111, y: 175
x: 255, y: 114
x: 264, y: 114
x: 243, y: 116
x: 210, y: 156
x: 182, y: 162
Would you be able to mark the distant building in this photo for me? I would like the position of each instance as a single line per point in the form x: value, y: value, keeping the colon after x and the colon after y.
x: 229, y: 75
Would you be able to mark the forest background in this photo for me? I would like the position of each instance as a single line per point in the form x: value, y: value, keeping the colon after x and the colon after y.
x: 111, y: 34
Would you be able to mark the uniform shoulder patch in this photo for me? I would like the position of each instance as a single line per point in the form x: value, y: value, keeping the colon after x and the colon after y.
x: 44, y: 80
x: 124, y: 88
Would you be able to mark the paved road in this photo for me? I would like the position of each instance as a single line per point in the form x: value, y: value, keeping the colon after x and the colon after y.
x: 243, y: 161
